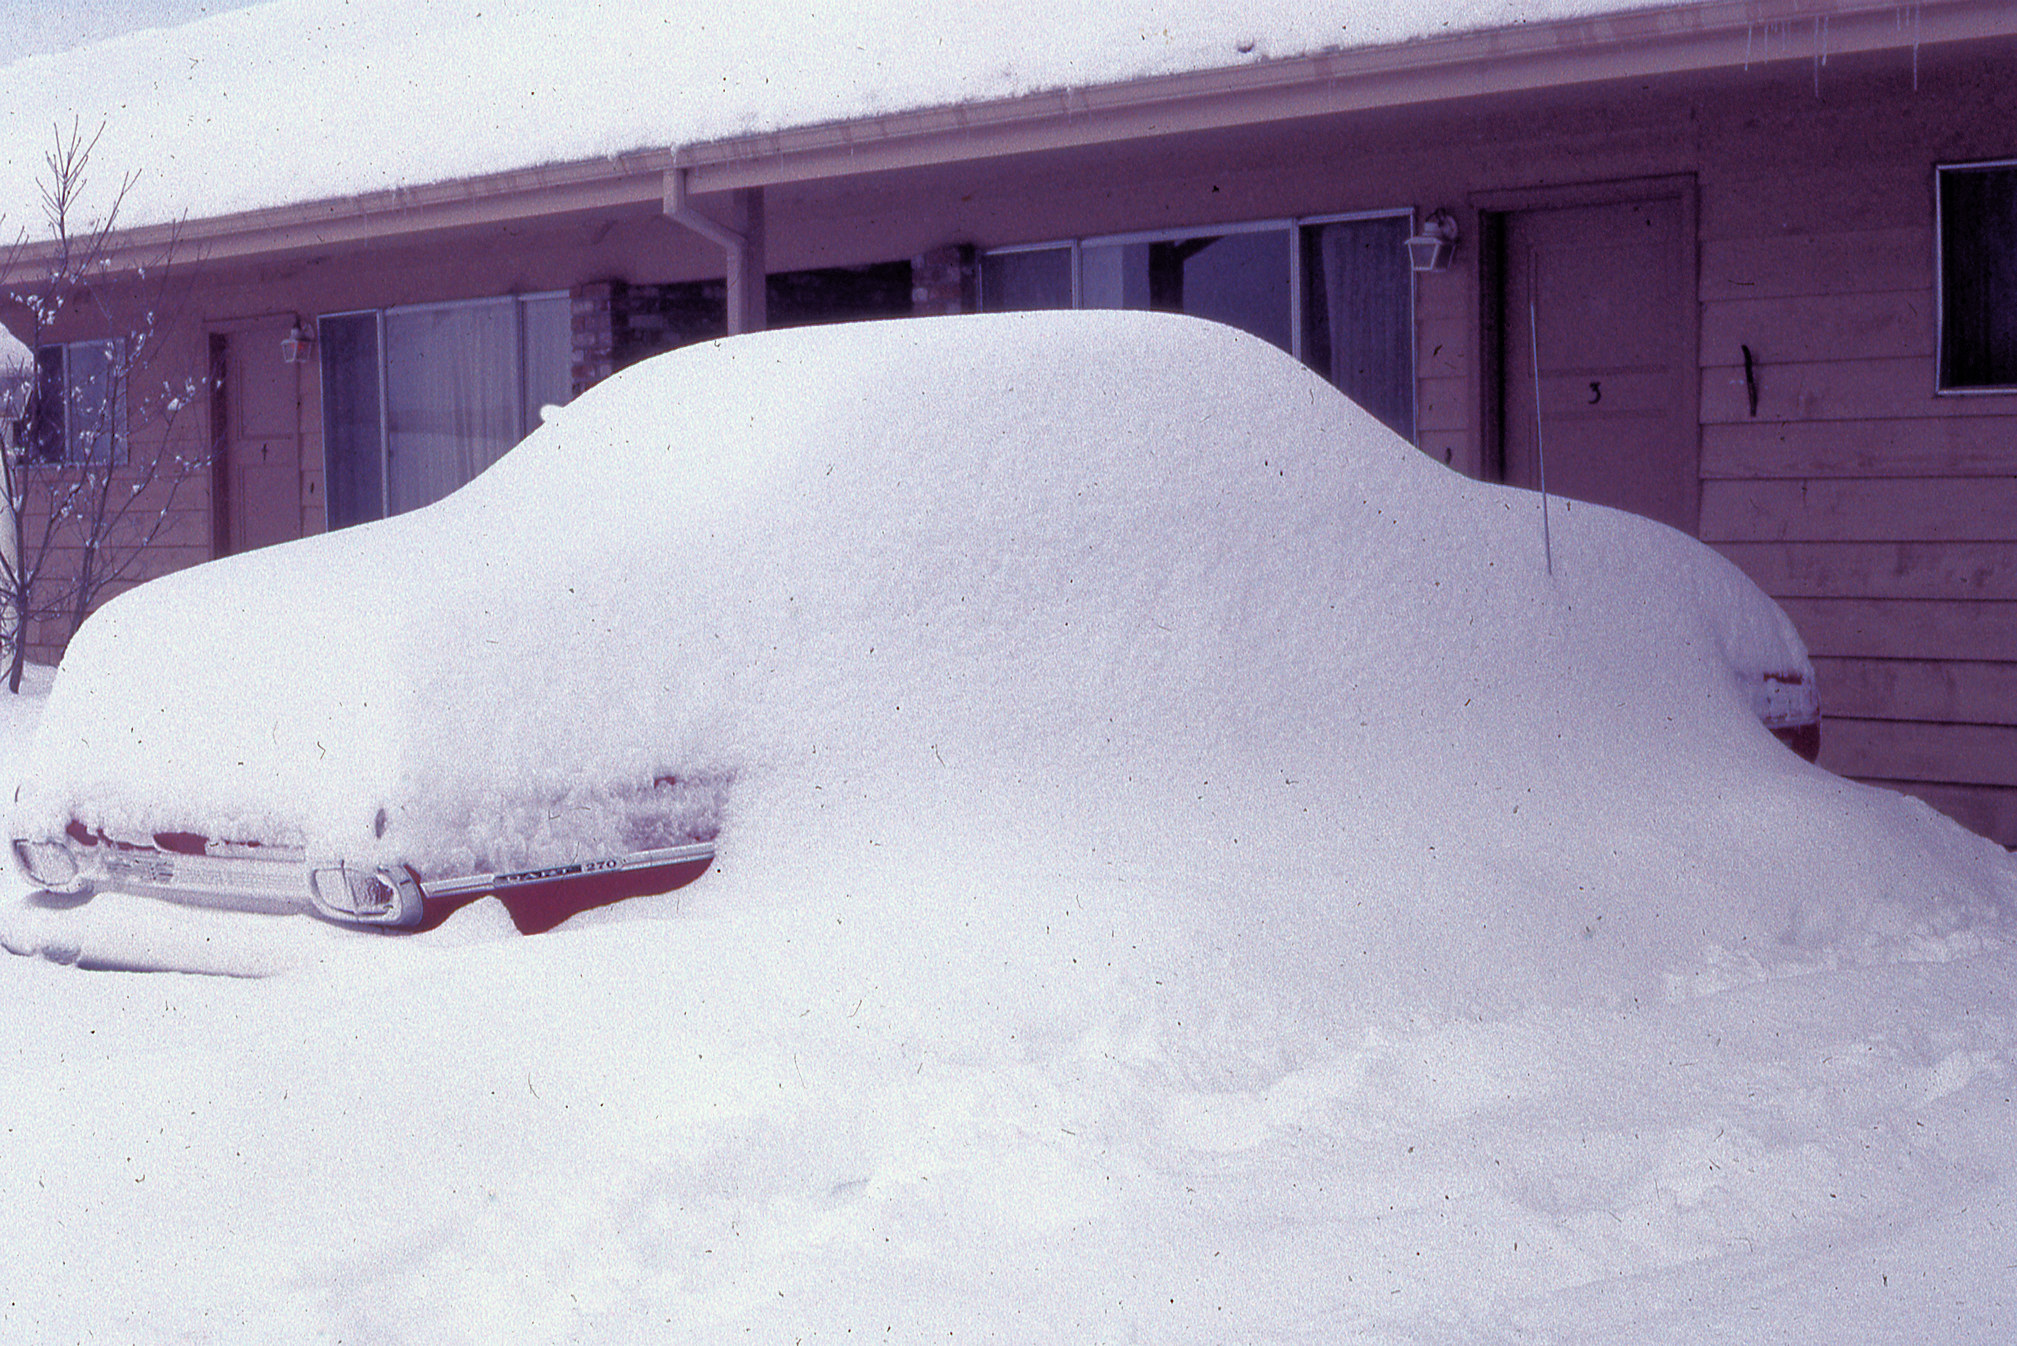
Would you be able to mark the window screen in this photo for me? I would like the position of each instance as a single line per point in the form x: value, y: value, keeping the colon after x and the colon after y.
x: 1031, y: 278
x: 352, y: 424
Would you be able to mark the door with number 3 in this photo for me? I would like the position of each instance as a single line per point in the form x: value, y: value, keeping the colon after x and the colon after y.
x: 1596, y: 314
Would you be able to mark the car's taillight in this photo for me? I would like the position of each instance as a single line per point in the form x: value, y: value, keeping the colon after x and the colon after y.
x: 47, y: 863
x: 382, y: 897
x: 1788, y: 704
x: 1804, y: 739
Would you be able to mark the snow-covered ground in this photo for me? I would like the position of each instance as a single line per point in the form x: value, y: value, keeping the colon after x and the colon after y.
x: 682, y: 1131
x: 1543, y: 998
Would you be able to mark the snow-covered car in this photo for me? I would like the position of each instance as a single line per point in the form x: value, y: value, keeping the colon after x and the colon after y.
x: 556, y: 684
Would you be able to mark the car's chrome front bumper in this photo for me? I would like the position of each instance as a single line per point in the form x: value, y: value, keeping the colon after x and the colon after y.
x: 278, y: 879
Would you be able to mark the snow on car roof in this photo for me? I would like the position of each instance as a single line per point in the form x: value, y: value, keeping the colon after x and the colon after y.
x: 1125, y: 602
x: 302, y: 100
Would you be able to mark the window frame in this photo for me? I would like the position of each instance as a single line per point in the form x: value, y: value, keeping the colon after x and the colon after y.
x: 1941, y: 387
x: 30, y: 449
x: 526, y: 419
x: 1293, y: 226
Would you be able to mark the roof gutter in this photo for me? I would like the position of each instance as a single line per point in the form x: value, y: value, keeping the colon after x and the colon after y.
x: 1721, y: 34
x: 1715, y: 34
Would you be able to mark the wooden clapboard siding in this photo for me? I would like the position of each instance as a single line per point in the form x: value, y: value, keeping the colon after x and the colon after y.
x: 1865, y: 324
x: 1868, y: 509
x: 1879, y: 569
x: 1869, y: 628
x: 169, y: 514
x: 1443, y: 404
x: 1857, y: 261
x: 1442, y: 344
x: 1990, y: 810
x: 1950, y: 691
x: 1813, y: 389
x: 1446, y: 422
x: 1452, y: 448
x: 1882, y: 515
x: 1792, y: 199
x: 1922, y: 446
x: 1946, y: 754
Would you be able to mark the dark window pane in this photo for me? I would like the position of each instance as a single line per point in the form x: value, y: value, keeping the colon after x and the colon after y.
x: 1358, y: 315
x: 1978, y: 277
x: 1014, y: 282
x: 45, y: 431
x: 838, y: 294
x: 352, y: 431
x: 1241, y: 279
x: 79, y: 409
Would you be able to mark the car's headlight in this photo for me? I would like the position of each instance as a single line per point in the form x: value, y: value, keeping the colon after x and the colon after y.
x: 383, y: 897
x: 48, y: 864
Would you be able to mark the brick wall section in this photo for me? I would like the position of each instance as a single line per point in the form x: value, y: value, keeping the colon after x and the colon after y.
x: 594, y: 332
x: 616, y: 323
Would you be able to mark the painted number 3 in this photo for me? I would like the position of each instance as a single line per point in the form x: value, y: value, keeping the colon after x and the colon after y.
x: 1596, y: 392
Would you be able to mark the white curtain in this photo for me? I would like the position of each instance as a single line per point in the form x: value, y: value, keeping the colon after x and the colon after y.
x: 1359, y: 315
x: 549, y: 353
x: 452, y: 396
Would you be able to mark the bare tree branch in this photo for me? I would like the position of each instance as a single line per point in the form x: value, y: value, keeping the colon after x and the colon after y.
x: 86, y: 507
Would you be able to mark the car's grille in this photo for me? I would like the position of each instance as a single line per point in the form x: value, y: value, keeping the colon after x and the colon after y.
x: 285, y: 881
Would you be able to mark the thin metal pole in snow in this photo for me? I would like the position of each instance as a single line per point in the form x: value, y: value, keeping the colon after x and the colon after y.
x: 1540, y: 453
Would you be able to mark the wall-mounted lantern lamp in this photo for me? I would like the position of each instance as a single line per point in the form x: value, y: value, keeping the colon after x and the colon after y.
x: 1432, y: 248
x: 297, y: 346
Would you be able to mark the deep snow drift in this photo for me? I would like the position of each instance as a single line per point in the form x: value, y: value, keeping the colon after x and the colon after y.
x: 1297, y: 919
x: 1114, y: 603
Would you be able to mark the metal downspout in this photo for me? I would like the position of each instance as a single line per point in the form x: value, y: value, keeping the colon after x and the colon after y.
x: 748, y: 310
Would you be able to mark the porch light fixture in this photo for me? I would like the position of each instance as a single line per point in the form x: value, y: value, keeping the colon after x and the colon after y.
x: 1432, y: 248
x: 296, y: 346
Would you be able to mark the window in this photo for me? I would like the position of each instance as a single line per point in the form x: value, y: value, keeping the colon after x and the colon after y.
x: 420, y: 399
x: 1335, y: 293
x: 1978, y: 276
x: 1024, y: 279
x: 17, y: 392
x: 1358, y: 317
x: 77, y: 413
x: 1240, y: 279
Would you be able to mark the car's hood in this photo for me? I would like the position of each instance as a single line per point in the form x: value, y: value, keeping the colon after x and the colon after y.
x: 254, y: 698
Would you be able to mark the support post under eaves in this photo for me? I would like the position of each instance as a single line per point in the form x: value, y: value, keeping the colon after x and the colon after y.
x: 740, y: 238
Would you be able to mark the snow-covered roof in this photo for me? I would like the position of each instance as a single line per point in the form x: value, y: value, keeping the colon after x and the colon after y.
x: 300, y: 104
x: 303, y: 100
